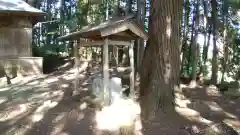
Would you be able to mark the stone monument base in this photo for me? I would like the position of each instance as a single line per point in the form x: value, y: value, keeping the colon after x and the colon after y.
x: 20, y: 66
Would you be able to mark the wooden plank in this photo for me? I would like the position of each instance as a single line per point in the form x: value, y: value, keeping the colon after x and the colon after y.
x: 121, y: 43
x: 126, y: 34
x: 131, y: 56
x: 100, y: 43
x: 107, y: 92
x: 137, y: 31
x: 114, y: 29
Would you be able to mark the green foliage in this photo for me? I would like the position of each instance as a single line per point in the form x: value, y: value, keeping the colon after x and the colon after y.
x: 72, y: 15
x: 69, y: 16
x: 234, y: 4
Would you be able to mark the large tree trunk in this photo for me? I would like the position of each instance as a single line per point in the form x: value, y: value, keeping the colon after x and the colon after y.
x: 161, y: 62
x: 141, y: 48
x: 215, y: 50
x: 139, y: 43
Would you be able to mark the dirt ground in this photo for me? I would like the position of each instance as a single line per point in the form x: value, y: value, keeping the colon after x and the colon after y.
x: 42, y: 106
x: 196, y: 109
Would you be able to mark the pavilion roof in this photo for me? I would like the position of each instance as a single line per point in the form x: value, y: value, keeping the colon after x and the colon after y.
x: 18, y: 7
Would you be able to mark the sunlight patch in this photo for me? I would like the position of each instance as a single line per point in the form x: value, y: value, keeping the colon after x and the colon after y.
x: 13, y: 112
x: 84, y: 89
x: 58, y: 93
x: 50, y: 104
x: 23, y: 108
x: 37, y: 117
x: 33, y: 83
x: 51, y: 80
x: 4, y: 89
x: 58, y: 118
x: 232, y: 123
x: 39, y: 113
x: 167, y: 74
x: 182, y: 103
x: 214, y: 106
x: 230, y: 115
x: 3, y: 99
x: 107, y: 119
x: 80, y: 116
x: 216, y: 129
x: 64, y: 85
x: 193, y: 84
x: 83, y: 106
x: 69, y: 77
x: 57, y: 129
x: 80, y: 68
x: 200, y: 119
x: 186, y: 112
x: 45, y: 94
x: 119, y: 114
x: 168, y: 28
x: 18, y: 130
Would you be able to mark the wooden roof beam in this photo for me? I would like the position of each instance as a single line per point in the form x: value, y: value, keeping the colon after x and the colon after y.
x: 100, y: 43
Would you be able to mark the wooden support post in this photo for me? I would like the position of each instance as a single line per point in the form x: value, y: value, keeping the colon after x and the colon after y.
x: 131, y: 56
x: 107, y: 92
x: 138, y: 53
x: 115, y: 54
x: 77, y: 63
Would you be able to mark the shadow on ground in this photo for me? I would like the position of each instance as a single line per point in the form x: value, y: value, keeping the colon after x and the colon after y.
x: 198, y: 111
x: 44, y: 106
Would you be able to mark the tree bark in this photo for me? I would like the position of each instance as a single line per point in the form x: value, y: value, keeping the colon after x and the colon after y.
x: 226, y: 39
x: 141, y: 48
x: 215, y: 50
x: 161, y: 62
x: 139, y: 43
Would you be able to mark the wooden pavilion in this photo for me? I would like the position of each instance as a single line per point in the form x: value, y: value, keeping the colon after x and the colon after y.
x: 118, y: 32
x: 16, y: 21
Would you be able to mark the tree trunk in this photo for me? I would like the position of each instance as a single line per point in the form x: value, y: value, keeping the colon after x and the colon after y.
x: 190, y: 60
x: 139, y: 44
x: 206, y: 37
x: 161, y: 62
x: 129, y: 6
x: 195, y: 46
x: 215, y: 50
x: 226, y: 39
x: 141, y: 48
x: 185, y: 35
x: 205, y: 50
